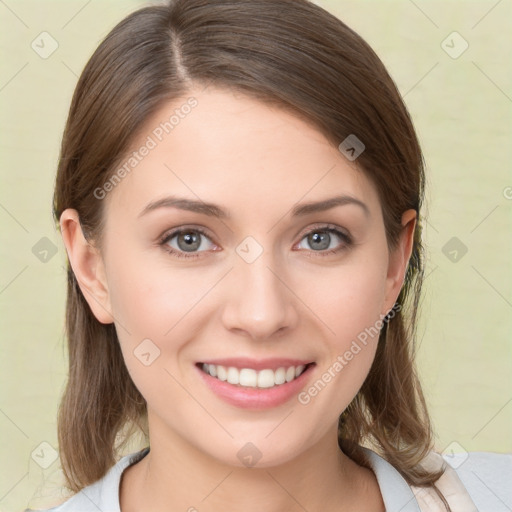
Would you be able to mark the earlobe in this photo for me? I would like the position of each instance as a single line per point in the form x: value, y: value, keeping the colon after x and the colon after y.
x: 399, y: 259
x: 87, y: 265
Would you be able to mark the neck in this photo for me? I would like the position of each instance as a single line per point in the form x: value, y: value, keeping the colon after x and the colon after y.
x: 174, y: 475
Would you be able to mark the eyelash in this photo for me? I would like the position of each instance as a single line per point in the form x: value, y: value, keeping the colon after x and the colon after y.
x: 327, y: 228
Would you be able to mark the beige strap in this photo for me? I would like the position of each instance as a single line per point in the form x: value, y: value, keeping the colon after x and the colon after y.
x: 449, y: 485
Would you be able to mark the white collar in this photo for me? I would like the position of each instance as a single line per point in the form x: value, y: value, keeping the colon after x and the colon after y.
x: 396, y: 493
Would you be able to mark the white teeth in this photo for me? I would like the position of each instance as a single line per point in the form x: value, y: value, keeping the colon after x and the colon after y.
x: 222, y: 374
x: 290, y: 374
x: 280, y: 376
x: 266, y: 379
x: 233, y: 375
x: 248, y: 377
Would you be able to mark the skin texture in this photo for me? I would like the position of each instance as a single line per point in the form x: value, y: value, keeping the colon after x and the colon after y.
x: 257, y: 163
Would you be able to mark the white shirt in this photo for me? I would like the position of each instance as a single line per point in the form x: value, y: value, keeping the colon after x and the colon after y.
x: 474, y: 482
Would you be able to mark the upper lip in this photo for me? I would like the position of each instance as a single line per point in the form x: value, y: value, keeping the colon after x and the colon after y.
x: 257, y: 364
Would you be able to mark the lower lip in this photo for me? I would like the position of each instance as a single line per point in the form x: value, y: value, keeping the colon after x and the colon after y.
x: 256, y: 398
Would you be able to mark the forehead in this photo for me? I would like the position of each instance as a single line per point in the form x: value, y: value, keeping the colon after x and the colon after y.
x: 230, y: 149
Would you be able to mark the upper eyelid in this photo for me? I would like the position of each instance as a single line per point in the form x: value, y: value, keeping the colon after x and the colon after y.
x: 324, y: 226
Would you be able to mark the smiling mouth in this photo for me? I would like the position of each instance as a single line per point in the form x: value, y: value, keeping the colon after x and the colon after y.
x: 251, y: 378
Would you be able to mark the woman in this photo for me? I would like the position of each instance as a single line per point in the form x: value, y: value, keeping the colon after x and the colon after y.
x: 239, y: 194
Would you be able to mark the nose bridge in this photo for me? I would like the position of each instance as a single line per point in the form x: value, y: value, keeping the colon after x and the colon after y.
x: 259, y: 302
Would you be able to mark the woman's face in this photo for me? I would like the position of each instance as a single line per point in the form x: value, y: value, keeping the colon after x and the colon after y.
x: 289, y: 269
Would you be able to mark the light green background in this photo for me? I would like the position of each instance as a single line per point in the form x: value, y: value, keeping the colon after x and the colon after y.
x: 462, y: 110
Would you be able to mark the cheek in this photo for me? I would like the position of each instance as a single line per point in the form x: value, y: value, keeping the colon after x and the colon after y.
x: 155, y: 309
x: 349, y: 299
x: 352, y: 312
x: 151, y: 307
x: 150, y: 299
x: 349, y: 304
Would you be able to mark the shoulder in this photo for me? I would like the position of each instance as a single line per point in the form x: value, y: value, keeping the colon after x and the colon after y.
x: 101, y: 495
x: 471, y: 482
x: 80, y: 502
x: 487, y: 476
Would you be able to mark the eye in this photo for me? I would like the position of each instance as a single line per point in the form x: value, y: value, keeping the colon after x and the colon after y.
x: 190, y: 242
x: 325, y: 240
x: 186, y: 242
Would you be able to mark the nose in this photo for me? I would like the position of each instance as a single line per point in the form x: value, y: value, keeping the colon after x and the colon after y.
x: 260, y: 303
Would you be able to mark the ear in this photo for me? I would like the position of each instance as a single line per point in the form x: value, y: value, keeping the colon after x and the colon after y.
x: 87, y: 265
x: 399, y: 259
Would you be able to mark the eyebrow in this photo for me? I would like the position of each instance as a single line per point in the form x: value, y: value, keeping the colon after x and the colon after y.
x: 212, y: 210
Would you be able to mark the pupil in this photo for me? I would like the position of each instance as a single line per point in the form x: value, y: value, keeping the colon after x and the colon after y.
x: 191, y: 241
x: 323, y: 239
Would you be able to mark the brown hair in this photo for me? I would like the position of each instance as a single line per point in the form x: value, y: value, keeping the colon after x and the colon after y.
x: 289, y: 53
